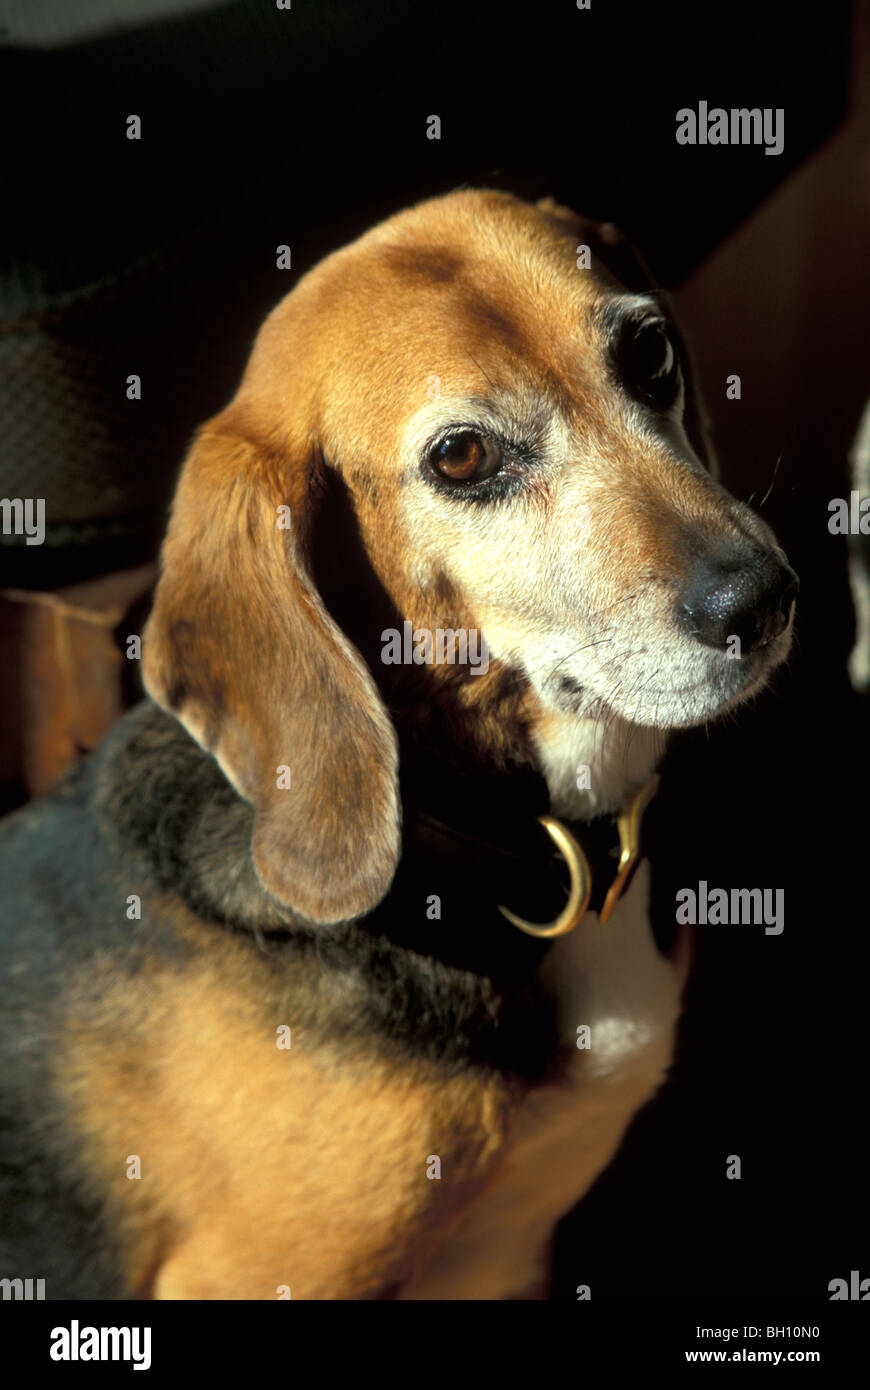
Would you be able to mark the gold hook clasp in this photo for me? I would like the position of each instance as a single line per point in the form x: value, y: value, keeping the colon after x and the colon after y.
x: 628, y: 824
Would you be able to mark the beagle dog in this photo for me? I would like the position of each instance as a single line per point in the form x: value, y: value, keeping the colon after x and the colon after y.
x: 330, y: 975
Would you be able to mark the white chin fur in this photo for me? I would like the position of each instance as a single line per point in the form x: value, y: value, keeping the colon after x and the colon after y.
x: 609, y: 754
x: 592, y: 763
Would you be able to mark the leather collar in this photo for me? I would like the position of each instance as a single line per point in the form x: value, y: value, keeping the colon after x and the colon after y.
x: 543, y: 874
x: 473, y: 846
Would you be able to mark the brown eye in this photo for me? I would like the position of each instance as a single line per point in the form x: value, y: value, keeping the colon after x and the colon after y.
x: 466, y: 457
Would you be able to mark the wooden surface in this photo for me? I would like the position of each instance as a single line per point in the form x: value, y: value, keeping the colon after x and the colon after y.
x: 66, y: 678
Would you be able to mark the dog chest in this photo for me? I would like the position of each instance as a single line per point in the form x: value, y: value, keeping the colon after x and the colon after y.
x: 613, y: 982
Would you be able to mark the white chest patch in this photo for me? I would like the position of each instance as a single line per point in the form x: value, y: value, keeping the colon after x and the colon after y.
x: 613, y: 980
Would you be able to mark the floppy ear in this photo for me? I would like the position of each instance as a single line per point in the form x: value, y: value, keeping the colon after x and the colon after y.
x: 624, y: 262
x: 241, y: 649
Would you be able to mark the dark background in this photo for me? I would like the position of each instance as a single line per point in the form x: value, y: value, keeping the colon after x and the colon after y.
x: 263, y: 127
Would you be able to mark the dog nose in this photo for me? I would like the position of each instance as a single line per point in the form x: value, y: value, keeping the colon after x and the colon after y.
x: 748, y: 596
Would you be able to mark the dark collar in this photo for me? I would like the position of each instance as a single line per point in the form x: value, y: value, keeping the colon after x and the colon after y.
x: 475, y: 846
x: 545, y: 873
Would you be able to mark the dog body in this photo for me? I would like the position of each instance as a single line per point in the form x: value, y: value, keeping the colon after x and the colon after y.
x: 320, y: 1063
x: 262, y: 1167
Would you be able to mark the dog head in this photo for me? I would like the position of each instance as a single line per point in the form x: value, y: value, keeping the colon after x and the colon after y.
x: 514, y: 420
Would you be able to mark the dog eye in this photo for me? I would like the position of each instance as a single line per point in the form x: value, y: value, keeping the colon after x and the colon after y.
x: 649, y: 363
x: 465, y: 457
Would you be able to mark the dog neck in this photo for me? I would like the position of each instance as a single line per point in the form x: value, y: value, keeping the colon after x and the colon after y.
x: 175, y: 821
x: 459, y: 735
x: 590, y: 765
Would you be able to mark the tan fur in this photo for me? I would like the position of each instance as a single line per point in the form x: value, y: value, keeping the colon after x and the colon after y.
x: 241, y: 648
x: 263, y: 1167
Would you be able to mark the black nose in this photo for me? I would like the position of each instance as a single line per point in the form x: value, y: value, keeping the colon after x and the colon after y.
x: 747, y: 594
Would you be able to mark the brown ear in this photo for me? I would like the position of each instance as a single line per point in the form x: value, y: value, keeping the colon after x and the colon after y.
x: 241, y: 649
